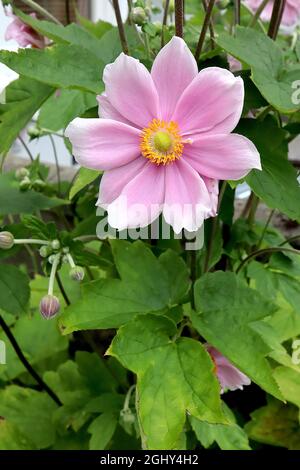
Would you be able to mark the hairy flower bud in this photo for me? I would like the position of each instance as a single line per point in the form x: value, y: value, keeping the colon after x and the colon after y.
x: 138, y: 16
x: 45, y: 251
x: 25, y: 183
x: 55, y: 244
x: 21, y: 173
x: 49, y: 306
x: 34, y: 133
x: 77, y: 273
x: 6, y: 240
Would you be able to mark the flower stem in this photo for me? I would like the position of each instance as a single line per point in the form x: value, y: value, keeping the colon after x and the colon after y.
x: 71, y: 261
x: 26, y: 148
x: 56, y: 163
x: 164, y: 23
x: 211, y: 26
x: 52, y: 273
x: 128, y: 397
x: 30, y: 241
x: 205, y: 26
x: 86, y: 238
x: 276, y: 18
x: 179, y: 18
x: 256, y: 253
x: 35, y: 7
x: 121, y: 29
x: 25, y: 363
x: 237, y: 12
x: 265, y: 228
x: 62, y: 289
x: 258, y: 12
x: 291, y: 239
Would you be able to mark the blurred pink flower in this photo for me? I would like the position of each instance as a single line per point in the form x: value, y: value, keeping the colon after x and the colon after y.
x: 228, y: 375
x: 164, y: 139
x: 291, y: 14
x: 22, y: 33
x: 234, y: 64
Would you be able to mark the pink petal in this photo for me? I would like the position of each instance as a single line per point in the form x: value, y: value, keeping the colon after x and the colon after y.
x: 222, y: 156
x: 213, y: 190
x: 140, y: 202
x: 173, y: 70
x: 107, y: 111
x: 103, y: 144
x: 130, y: 89
x: 212, y: 103
x: 114, y: 181
x: 187, y: 201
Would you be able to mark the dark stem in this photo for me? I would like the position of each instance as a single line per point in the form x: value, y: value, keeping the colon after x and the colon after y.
x: 237, y: 11
x: 164, y: 23
x: 62, y: 289
x: 275, y: 249
x: 129, y: 3
x: 25, y: 363
x: 248, y: 205
x: 26, y: 148
x: 276, y: 18
x: 41, y: 11
x: 265, y: 228
x: 205, y: 26
x: 289, y: 240
x: 211, y: 26
x: 120, y: 27
x: 56, y: 163
x: 179, y: 18
x: 258, y: 12
x: 68, y: 13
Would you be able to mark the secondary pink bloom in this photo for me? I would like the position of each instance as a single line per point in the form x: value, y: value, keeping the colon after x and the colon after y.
x: 228, y: 375
x: 291, y: 14
x: 234, y: 64
x: 23, y: 33
x: 164, y: 139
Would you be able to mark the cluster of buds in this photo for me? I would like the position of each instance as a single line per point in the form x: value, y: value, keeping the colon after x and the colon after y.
x: 55, y: 254
x: 26, y: 182
x: 140, y: 13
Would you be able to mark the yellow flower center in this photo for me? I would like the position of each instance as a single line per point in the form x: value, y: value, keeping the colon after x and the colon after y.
x: 161, y: 142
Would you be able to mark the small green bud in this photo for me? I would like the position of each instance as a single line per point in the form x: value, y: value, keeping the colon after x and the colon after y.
x: 138, y: 16
x: 51, y: 259
x: 49, y: 306
x: 77, y: 273
x: 65, y: 249
x: 25, y: 184
x: 39, y: 184
x: 21, y: 173
x: 34, y: 133
x: 45, y: 251
x: 127, y: 416
x: 55, y: 244
x: 6, y: 240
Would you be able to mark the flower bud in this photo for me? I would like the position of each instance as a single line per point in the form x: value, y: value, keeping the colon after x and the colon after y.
x: 21, y: 173
x: 34, y: 133
x: 127, y: 416
x: 138, y: 16
x: 77, y: 273
x: 39, y: 184
x: 25, y: 183
x: 45, y: 251
x: 49, y: 306
x: 55, y: 244
x: 6, y: 240
x: 65, y: 249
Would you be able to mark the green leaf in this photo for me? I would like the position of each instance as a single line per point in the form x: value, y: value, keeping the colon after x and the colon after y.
x: 178, y: 275
x: 61, y: 66
x: 71, y: 103
x: 146, y: 286
x: 14, y: 290
x: 12, y: 439
x: 23, y: 98
x: 288, y: 379
x: 173, y: 377
x: 102, y: 430
x: 277, y: 184
x: 14, y: 201
x: 30, y: 412
x: 228, y: 316
x: 84, y: 177
x: 272, y: 77
x: 30, y: 333
x: 275, y: 424
x: 227, y: 436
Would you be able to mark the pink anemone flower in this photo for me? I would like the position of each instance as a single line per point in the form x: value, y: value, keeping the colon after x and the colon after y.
x: 228, y: 375
x: 291, y: 14
x: 164, y: 139
x: 22, y: 33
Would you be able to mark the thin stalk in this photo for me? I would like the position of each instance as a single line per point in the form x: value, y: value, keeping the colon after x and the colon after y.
x: 62, y: 289
x: 87, y: 238
x: 26, y: 148
x: 205, y: 26
x: 276, y: 18
x: 36, y: 7
x: 30, y: 241
x: 237, y: 12
x: 253, y: 209
x: 265, y: 228
x: 70, y: 260
x: 247, y: 205
x: 258, y: 12
x: 210, y: 26
x: 53, y: 274
x: 179, y: 18
x: 128, y: 397
x: 25, y: 363
x: 289, y: 240
x: 214, y: 229
x: 33, y: 259
x: 256, y: 253
x: 56, y: 163
x: 164, y: 22
x: 129, y: 3
x: 121, y: 29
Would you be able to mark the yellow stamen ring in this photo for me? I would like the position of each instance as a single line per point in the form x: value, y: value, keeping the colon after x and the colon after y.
x: 161, y: 142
